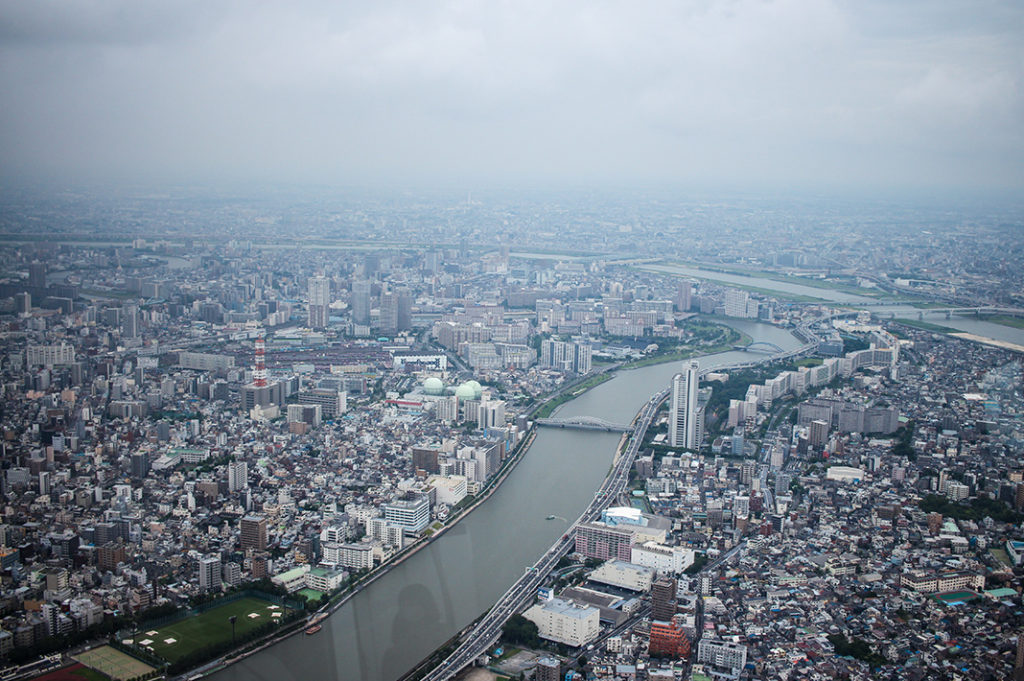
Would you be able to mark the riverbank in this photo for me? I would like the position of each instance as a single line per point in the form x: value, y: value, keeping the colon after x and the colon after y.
x: 962, y: 335
x: 1005, y: 345
x: 374, y: 637
x: 342, y: 599
x: 751, y: 288
x: 552, y: 403
x: 369, y: 579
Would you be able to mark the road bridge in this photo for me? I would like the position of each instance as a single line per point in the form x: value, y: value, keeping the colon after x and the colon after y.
x: 759, y: 346
x: 584, y: 423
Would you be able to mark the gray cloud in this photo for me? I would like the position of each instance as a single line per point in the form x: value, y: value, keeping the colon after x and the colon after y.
x: 741, y: 92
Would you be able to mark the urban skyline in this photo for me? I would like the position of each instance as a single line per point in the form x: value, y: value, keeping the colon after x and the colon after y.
x: 675, y: 341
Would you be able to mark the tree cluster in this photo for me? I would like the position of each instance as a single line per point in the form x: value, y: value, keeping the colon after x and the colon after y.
x: 521, y: 631
x: 857, y: 649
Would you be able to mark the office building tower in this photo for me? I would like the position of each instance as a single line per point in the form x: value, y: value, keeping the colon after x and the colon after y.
x: 736, y: 303
x: 663, y: 599
x: 669, y: 639
x: 37, y: 275
x: 319, y: 301
x: 333, y: 403
x: 404, y: 313
x: 491, y: 414
x: 23, y: 303
x: 432, y: 261
x: 209, y: 573
x: 49, y: 355
x: 722, y: 655
x: 818, y: 435
x: 684, y: 296
x: 748, y: 469
x: 254, y: 532
x: 371, y: 264
x: 683, y: 426
x: 566, y: 356
x: 389, y: 312
x: 396, y: 311
x: 412, y: 514
x: 130, y: 321
x: 140, y: 465
x: 238, y: 476
x: 360, y: 302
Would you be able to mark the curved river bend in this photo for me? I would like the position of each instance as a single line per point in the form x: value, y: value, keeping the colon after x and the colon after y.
x: 394, y: 623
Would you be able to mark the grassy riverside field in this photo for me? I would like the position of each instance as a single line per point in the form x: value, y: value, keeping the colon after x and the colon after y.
x: 208, y: 628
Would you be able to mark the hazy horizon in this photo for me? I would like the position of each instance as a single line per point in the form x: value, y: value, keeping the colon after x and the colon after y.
x: 831, y: 97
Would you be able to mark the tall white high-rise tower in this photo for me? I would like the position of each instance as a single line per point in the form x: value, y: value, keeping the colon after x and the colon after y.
x: 683, y: 427
x: 319, y: 301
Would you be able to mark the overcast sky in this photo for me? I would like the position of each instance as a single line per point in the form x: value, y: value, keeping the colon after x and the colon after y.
x: 755, y: 94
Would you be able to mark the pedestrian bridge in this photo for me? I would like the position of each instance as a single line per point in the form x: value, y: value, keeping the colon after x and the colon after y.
x: 584, y: 423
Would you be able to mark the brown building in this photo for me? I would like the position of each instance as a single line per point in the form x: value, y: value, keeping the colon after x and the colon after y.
x: 254, y: 532
x: 669, y: 640
x: 425, y: 459
x: 548, y: 669
x: 109, y: 555
x: 663, y: 599
x: 259, y: 567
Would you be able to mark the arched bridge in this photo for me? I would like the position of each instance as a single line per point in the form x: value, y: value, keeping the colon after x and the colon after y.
x: 759, y: 346
x: 584, y: 423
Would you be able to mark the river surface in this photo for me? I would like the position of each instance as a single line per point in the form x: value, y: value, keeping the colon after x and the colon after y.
x: 762, y: 282
x: 967, y: 323
x: 398, y: 620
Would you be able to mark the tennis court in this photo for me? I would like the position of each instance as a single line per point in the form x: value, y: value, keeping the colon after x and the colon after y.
x: 113, y: 663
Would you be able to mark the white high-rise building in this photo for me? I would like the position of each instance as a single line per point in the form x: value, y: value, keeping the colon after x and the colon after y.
x: 491, y: 414
x: 50, y: 355
x: 209, y: 573
x: 736, y: 303
x: 683, y: 427
x: 565, y: 622
x: 360, y: 302
x: 319, y: 301
x: 722, y: 654
x: 412, y: 514
x: 238, y: 476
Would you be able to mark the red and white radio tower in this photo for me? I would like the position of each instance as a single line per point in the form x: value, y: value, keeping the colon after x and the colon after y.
x: 259, y: 374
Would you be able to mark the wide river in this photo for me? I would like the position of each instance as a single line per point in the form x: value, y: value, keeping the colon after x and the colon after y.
x: 966, y: 323
x: 401, y: 618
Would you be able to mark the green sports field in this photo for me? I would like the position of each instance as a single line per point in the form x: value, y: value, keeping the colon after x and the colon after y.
x: 181, y: 638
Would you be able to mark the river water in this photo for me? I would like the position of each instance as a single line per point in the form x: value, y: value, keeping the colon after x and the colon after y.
x: 967, y: 323
x: 401, y: 618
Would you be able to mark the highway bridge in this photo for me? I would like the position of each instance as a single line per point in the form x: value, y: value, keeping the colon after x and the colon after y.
x: 584, y: 423
x: 976, y: 311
